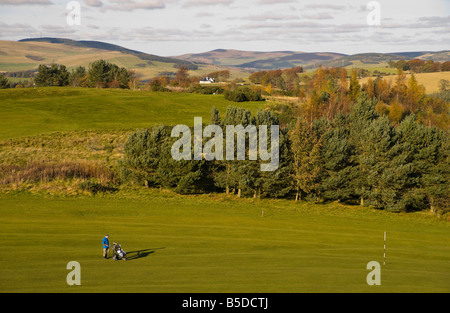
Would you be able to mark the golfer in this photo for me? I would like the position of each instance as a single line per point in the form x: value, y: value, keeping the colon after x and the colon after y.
x: 105, y: 243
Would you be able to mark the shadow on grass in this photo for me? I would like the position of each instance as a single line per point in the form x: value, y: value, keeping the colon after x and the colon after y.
x: 138, y: 254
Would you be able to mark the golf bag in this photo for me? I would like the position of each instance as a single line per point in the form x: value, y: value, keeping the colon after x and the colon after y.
x: 119, y: 254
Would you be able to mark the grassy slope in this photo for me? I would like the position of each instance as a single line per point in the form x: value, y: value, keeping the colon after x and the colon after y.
x: 21, y: 56
x: 29, y: 112
x: 214, y: 244
x: 190, y: 244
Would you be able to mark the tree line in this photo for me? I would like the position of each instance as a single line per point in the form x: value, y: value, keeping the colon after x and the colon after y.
x: 421, y: 66
x: 356, y: 157
x: 99, y: 74
x: 330, y: 91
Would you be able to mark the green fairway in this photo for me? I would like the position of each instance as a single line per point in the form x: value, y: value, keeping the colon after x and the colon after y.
x: 29, y: 112
x: 204, y: 243
x: 215, y: 244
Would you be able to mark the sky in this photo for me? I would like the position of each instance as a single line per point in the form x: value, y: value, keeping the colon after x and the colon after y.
x: 175, y: 27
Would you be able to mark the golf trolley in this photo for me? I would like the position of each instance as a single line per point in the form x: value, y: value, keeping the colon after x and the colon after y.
x: 118, y: 253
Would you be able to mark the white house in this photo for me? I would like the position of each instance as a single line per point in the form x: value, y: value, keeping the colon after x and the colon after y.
x: 207, y: 80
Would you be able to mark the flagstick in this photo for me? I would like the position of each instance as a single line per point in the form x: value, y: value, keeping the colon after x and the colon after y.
x: 384, y: 251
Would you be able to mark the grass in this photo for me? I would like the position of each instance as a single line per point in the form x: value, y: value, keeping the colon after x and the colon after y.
x: 216, y: 244
x: 30, y: 112
x: 207, y: 243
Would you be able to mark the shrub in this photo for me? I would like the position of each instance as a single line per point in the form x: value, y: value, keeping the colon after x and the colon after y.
x: 94, y: 187
x: 243, y: 95
x: 207, y: 90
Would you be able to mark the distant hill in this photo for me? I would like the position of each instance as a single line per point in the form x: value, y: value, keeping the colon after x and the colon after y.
x: 360, y: 60
x: 106, y: 46
x: 28, y: 54
x: 287, y: 59
x: 258, y: 59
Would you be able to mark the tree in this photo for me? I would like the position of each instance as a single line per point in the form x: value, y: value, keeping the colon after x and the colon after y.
x: 444, y: 85
x: 414, y: 94
x: 134, y: 80
x: 362, y: 115
x: 339, y: 167
x: 182, y: 77
x: 278, y: 183
x: 306, y: 145
x: 354, y: 88
x: 78, y: 77
x: 142, y: 153
x: 184, y: 177
x: 103, y: 74
x: 385, y: 177
x: 4, y: 82
x: 428, y: 149
x: 400, y: 86
x: 416, y: 65
x: 445, y: 67
x: 242, y: 95
x: 55, y: 75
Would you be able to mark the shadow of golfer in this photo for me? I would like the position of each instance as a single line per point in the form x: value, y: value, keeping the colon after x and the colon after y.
x: 138, y: 254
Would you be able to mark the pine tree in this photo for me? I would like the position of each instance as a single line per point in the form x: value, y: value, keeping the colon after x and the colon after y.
x: 306, y: 145
x: 143, y: 151
x: 4, y: 82
x: 339, y: 166
x: 363, y: 113
x: 429, y: 153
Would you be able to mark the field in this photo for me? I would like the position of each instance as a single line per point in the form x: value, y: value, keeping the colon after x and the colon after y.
x: 429, y: 80
x: 216, y: 244
x: 29, y: 112
x: 207, y: 243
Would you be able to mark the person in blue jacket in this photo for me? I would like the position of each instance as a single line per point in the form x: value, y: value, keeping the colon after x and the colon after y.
x: 105, y: 243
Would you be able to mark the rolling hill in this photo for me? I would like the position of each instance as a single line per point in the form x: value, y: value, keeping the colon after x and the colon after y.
x: 26, y: 55
x: 258, y: 59
x: 287, y: 59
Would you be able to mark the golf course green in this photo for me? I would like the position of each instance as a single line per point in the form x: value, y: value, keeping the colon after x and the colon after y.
x: 176, y: 244
x: 216, y: 244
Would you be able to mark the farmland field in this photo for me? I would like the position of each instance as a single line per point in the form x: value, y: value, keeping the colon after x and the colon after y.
x: 429, y: 80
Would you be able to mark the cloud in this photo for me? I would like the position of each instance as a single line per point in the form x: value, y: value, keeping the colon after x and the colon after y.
x: 17, y: 28
x: 25, y: 2
x: 422, y: 22
x: 271, y: 16
x: 57, y: 30
x: 326, y: 6
x: 275, y: 1
x: 319, y: 16
x: 197, y: 3
x: 131, y: 5
x: 94, y: 3
x: 204, y: 14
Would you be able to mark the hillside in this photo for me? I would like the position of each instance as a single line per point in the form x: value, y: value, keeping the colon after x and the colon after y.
x: 258, y: 59
x: 27, y: 54
x: 371, y: 60
x: 288, y: 59
x: 50, y: 109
